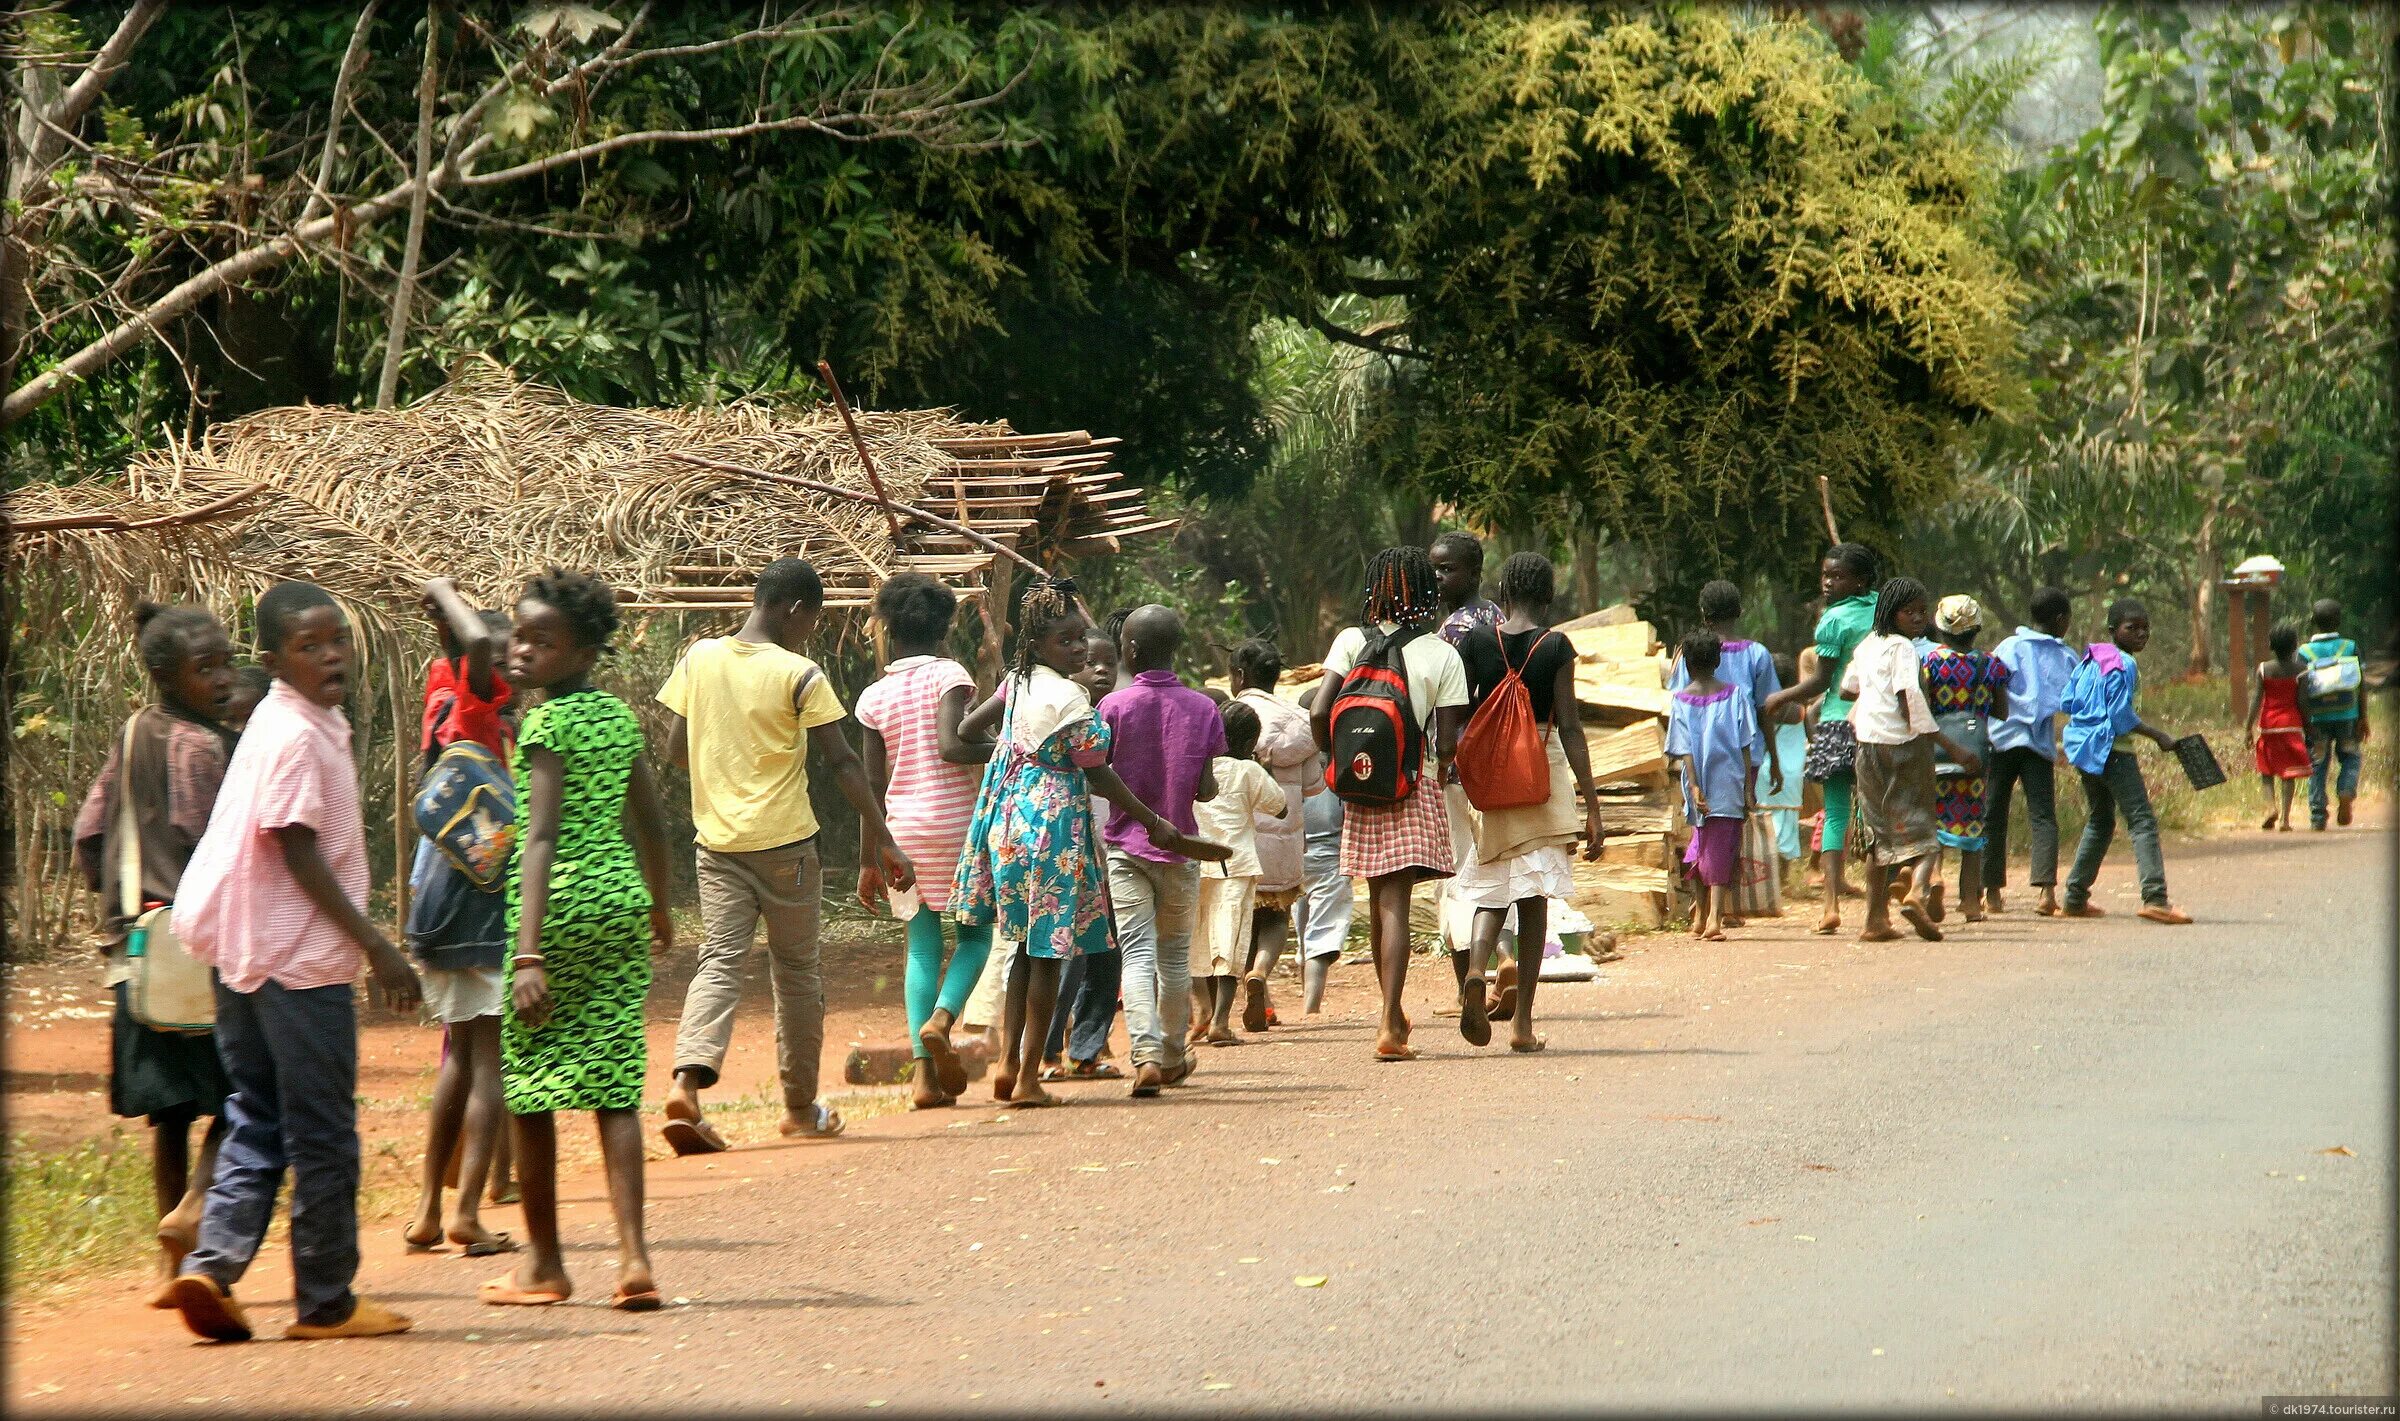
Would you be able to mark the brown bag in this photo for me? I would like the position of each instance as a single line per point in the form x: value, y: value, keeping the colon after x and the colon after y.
x: 1502, y: 760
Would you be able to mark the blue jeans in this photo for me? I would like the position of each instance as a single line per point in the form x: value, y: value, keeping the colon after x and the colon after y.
x: 1327, y: 900
x: 2327, y: 742
x: 1087, y: 996
x: 293, y: 1059
x: 2118, y: 788
x: 1154, y: 903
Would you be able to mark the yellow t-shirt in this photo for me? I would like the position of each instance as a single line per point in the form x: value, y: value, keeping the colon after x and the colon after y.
x: 747, y: 721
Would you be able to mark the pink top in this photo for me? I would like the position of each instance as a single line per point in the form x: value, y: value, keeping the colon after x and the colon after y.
x: 239, y: 908
x: 930, y: 801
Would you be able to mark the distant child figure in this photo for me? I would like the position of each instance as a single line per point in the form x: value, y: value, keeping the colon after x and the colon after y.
x: 748, y: 710
x: 158, y: 785
x: 2101, y: 724
x: 1396, y: 846
x: 458, y: 931
x: 1789, y: 739
x: 587, y: 908
x: 1457, y: 560
x: 1088, y: 984
x: 274, y: 898
x: 1746, y: 663
x: 1898, y: 738
x: 1229, y: 890
x: 2026, y: 751
x: 2336, y: 728
x: 2278, y: 728
x: 1033, y: 867
x: 1713, y: 737
x: 1165, y: 737
x: 1328, y: 897
x: 250, y: 685
x: 1289, y: 752
x: 924, y: 773
x: 1520, y: 851
x: 1847, y: 580
x: 1969, y: 691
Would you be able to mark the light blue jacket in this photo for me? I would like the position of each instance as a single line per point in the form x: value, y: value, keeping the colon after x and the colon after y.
x: 2099, y: 705
x: 2038, y: 667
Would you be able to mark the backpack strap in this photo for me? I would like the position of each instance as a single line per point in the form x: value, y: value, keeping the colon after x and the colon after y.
x: 129, y: 829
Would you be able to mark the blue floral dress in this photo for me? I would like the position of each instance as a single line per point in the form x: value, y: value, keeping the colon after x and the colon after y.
x: 1033, y: 864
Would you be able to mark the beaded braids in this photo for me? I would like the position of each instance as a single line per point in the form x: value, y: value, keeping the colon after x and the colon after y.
x: 1047, y: 602
x: 1401, y: 588
x: 588, y: 604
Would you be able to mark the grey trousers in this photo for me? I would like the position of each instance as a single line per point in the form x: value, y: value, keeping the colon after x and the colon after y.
x: 785, y: 886
x: 2020, y: 765
x: 2118, y: 788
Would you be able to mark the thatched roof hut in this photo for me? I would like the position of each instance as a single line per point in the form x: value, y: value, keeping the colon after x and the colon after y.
x: 490, y: 479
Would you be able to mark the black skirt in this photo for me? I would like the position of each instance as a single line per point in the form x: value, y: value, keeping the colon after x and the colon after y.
x: 162, y: 1073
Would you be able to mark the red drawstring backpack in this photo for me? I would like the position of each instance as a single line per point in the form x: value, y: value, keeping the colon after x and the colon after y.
x: 1503, y: 760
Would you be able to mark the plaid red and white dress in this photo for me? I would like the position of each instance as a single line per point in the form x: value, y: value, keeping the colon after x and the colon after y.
x: 1380, y: 839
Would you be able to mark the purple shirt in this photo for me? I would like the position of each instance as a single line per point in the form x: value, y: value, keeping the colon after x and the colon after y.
x: 1166, y: 733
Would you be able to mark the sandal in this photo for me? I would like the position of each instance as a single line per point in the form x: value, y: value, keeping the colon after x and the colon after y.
x: 487, y: 1247
x: 1254, y: 1004
x: 415, y: 1245
x: 503, y: 1292
x: 1473, y: 1024
x: 829, y: 1123
x: 639, y: 1300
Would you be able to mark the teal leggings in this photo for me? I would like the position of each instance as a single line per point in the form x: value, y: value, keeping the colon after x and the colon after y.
x: 1837, y: 818
x: 926, y: 986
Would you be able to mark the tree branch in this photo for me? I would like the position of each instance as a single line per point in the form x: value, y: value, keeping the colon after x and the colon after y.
x: 89, y: 85
x: 404, y: 292
x: 1381, y: 285
x: 1364, y: 341
x: 351, y: 56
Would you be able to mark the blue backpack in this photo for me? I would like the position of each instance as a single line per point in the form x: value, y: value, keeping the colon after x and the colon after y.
x: 467, y: 807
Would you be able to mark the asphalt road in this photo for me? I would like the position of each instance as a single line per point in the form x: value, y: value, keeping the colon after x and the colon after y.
x: 2040, y: 1164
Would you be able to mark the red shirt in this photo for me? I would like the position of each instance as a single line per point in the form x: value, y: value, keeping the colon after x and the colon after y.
x: 453, y: 712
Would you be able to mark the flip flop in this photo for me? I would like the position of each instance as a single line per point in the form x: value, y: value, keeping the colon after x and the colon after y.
x: 639, y: 1300
x: 487, y: 1247
x: 1094, y: 1071
x: 1528, y: 1048
x: 1254, y: 1004
x: 415, y: 1246
x: 502, y: 1292
x: 1404, y: 1053
x: 1182, y: 1073
x: 829, y: 1124
x: 693, y: 1137
x: 1921, y: 920
x: 949, y: 1072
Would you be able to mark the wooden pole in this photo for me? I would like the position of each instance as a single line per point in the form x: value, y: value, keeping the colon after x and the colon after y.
x: 865, y: 461
x: 990, y: 545
x: 1825, y: 499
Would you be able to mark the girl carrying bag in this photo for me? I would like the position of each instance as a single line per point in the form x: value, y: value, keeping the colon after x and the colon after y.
x: 1503, y: 756
x: 168, y: 989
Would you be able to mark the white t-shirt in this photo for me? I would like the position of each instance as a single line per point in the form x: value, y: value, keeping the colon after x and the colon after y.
x: 1436, y: 677
x: 1244, y: 791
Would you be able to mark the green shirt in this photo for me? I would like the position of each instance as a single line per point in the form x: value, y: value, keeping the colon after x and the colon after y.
x: 1844, y: 625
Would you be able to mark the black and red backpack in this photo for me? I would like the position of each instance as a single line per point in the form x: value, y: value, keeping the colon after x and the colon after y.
x: 1378, y: 742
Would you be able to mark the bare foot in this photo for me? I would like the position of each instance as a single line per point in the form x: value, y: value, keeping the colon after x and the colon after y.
x: 1714, y: 935
x: 1393, y: 1046
x: 1031, y: 1096
x: 1973, y: 916
x: 924, y: 1093
x: 1991, y: 902
x: 1004, y: 1085
x: 1881, y: 934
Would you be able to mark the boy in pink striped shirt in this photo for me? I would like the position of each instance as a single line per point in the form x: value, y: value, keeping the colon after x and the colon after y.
x: 274, y: 898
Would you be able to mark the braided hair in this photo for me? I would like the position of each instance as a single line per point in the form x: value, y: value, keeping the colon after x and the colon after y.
x: 1527, y: 582
x: 1401, y: 588
x: 588, y: 604
x: 1893, y: 596
x: 1047, y: 602
x: 1857, y: 559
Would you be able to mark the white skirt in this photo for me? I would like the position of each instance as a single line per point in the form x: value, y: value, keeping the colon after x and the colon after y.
x: 1545, y: 872
x: 1221, y: 927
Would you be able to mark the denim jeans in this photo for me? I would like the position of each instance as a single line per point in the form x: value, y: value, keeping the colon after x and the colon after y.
x: 1321, y: 919
x: 1087, y: 995
x: 2011, y: 767
x: 2328, y: 742
x: 293, y: 1060
x: 2118, y: 788
x: 1153, y: 903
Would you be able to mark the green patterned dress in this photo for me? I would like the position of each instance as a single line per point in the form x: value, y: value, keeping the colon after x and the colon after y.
x: 595, y: 939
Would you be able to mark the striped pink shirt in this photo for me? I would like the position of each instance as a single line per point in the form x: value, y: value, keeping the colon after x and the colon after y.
x: 930, y: 801
x: 239, y: 908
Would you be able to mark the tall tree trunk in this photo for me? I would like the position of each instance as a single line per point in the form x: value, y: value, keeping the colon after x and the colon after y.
x: 2205, y: 572
x: 404, y: 295
x: 1587, y: 572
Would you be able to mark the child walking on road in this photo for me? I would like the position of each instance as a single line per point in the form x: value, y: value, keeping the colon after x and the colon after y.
x: 1089, y: 982
x: 586, y: 910
x: 2336, y: 725
x: 1229, y: 890
x: 1289, y: 753
x: 1713, y: 735
x: 1897, y: 736
x: 1397, y: 845
x: 1847, y: 580
x: 457, y: 930
x: 1165, y: 736
x: 2278, y: 728
x: 1969, y: 691
x: 1033, y: 868
x: 275, y: 899
x: 133, y: 836
x: 2025, y: 750
x: 2101, y: 725
x: 924, y: 773
x: 748, y: 710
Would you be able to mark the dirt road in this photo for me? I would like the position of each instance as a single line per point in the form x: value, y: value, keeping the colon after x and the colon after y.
x: 2040, y: 1163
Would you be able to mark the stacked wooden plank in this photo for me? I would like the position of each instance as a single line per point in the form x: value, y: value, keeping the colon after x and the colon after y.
x: 1045, y: 495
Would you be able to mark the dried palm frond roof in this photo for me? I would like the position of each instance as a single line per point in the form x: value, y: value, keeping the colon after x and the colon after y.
x: 491, y: 479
